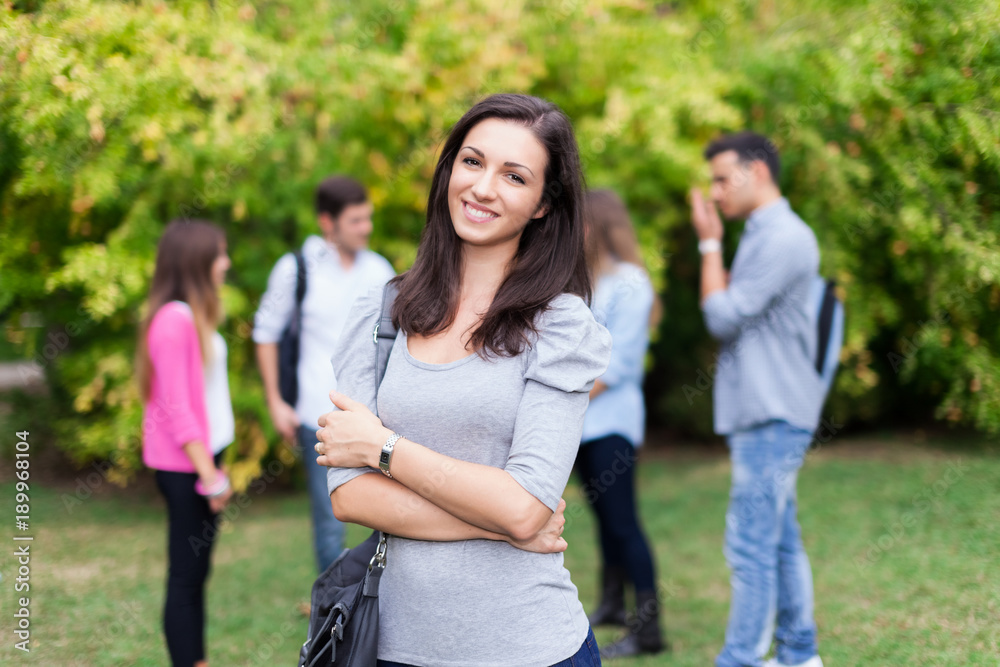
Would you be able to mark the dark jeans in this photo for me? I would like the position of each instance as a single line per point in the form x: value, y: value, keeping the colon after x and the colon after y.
x: 587, y: 656
x: 607, y: 470
x: 190, y: 536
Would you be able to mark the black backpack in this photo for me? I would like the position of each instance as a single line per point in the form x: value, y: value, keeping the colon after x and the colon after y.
x: 828, y: 311
x: 288, y: 345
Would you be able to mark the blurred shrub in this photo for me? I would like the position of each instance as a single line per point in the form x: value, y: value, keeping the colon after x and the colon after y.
x: 117, y: 117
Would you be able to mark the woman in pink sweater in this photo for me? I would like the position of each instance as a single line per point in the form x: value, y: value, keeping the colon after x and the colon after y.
x: 188, y: 418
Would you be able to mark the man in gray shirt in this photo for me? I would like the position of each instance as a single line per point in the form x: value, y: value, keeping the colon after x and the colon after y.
x: 767, y: 394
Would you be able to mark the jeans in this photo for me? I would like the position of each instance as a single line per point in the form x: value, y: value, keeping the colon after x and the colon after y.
x: 587, y: 656
x: 328, y: 533
x: 191, y: 532
x: 607, y: 471
x: 771, y: 578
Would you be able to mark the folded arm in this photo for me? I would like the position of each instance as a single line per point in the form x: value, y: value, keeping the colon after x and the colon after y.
x: 480, y: 495
x: 378, y: 502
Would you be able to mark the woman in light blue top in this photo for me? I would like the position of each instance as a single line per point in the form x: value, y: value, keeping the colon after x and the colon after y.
x: 615, y: 422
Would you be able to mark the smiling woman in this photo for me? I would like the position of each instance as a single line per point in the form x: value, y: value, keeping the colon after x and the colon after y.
x: 491, y: 197
x: 490, y: 372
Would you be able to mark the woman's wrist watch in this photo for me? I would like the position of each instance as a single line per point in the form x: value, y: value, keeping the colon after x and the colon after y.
x: 385, y: 458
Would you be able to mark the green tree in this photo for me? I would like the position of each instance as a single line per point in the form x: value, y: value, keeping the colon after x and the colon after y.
x: 117, y: 117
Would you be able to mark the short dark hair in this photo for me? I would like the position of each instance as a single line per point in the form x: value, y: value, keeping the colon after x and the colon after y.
x: 336, y: 193
x: 749, y: 147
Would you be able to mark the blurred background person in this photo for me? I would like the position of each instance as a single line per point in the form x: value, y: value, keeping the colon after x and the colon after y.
x: 188, y: 418
x: 338, y: 269
x: 614, y: 425
x: 767, y: 395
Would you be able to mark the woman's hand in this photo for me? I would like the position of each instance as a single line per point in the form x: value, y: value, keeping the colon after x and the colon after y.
x: 351, y: 437
x: 218, y: 503
x: 549, y: 539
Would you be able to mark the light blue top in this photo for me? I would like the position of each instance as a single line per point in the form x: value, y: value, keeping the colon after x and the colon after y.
x: 764, y: 321
x: 623, y: 300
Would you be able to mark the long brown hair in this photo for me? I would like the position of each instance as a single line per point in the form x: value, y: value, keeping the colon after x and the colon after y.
x: 549, y: 259
x: 610, y: 232
x: 184, y: 259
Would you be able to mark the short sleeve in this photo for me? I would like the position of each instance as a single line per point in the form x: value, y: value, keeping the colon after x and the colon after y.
x: 571, y: 350
x: 354, y: 367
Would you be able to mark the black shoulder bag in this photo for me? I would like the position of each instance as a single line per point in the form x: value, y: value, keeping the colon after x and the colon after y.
x: 288, y: 346
x: 343, y: 623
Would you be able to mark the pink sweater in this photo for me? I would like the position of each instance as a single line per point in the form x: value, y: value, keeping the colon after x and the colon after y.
x: 175, y: 413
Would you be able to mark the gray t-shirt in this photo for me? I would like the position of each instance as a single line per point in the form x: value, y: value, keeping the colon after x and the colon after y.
x: 481, y: 602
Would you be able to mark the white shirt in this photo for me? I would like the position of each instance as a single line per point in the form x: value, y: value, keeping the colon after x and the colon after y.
x: 221, y: 425
x: 330, y: 293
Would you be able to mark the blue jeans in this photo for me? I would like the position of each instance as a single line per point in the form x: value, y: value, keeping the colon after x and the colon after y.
x: 328, y: 533
x: 587, y: 656
x: 771, y: 578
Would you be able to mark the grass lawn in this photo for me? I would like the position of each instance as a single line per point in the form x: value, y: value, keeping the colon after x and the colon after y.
x: 903, y: 539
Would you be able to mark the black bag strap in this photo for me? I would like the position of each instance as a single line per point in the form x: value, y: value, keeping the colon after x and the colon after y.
x: 325, y: 632
x: 825, y: 324
x: 300, y: 278
x: 383, y: 336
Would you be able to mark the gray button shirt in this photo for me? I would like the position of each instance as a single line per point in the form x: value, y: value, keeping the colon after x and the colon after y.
x: 481, y: 602
x: 765, y: 370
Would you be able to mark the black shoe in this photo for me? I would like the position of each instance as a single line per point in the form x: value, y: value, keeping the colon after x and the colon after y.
x: 611, y: 611
x: 643, y: 636
x: 626, y: 647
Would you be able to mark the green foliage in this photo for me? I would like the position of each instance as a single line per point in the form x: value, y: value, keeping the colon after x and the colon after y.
x: 117, y: 117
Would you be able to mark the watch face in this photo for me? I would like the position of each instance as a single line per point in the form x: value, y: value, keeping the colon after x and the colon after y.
x: 384, y: 458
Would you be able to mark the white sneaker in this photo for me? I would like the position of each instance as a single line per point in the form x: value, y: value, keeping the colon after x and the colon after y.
x: 811, y: 662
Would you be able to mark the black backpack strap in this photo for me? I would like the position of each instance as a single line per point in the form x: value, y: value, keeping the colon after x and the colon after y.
x: 384, y: 335
x: 300, y: 278
x: 825, y: 324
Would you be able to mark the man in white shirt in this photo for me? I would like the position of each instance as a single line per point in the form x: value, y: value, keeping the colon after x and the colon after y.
x: 339, y: 268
